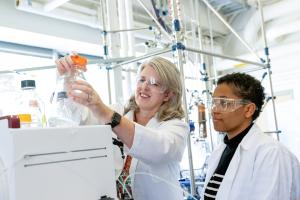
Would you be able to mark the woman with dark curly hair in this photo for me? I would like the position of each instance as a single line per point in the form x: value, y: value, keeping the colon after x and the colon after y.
x: 248, y: 164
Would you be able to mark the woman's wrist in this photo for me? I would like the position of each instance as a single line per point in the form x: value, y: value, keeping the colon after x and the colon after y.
x: 103, y: 113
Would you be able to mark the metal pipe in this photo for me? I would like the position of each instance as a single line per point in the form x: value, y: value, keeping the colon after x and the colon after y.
x: 215, y: 75
x: 224, y: 56
x: 211, y: 40
x: 176, y: 33
x: 141, y: 58
x: 253, y: 70
x: 130, y: 29
x: 206, y: 74
x: 231, y: 29
x: 268, y: 65
x: 155, y: 20
x: 263, y: 32
x: 105, y: 46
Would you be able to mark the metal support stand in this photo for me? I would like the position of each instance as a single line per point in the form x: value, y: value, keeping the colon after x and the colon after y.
x: 267, y: 63
x: 206, y: 79
x: 105, y: 47
x: 178, y: 47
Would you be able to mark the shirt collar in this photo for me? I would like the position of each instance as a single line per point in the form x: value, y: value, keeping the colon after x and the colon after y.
x: 235, y: 141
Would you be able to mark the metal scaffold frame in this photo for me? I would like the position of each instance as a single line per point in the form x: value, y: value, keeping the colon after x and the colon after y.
x: 178, y: 48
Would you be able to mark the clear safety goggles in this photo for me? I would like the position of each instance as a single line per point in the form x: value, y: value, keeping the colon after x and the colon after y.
x: 151, y: 83
x: 220, y: 104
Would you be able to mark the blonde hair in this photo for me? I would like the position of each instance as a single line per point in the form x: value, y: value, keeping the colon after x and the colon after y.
x: 170, y: 78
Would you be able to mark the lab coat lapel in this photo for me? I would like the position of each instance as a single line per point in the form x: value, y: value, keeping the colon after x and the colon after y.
x: 134, y: 162
x: 226, y: 185
x: 213, y: 162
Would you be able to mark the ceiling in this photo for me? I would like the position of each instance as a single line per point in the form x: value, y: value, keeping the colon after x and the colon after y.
x: 240, y: 14
x: 89, y: 13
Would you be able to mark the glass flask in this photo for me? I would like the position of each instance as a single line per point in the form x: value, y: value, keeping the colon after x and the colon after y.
x: 64, y: 111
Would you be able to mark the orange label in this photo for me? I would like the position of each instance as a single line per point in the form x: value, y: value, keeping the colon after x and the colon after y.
x: 25, y: 117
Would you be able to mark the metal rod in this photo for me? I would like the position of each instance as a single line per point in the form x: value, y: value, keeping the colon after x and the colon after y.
x: 105, y: 47
x: 272, y: 131
x: 262, y: 23
x: 269, y: 66
x: 211, y: 41
x: 155, y: 20
x: 206, y: 82
x: 111, y: 60
x: 231, y: 29
x: 27, y: 69
x: 253, y: 70
x: 224, y: 56
x: 176, y: 34
x: 141, y: 58
x: 215, y: 75
x: 131, y: 29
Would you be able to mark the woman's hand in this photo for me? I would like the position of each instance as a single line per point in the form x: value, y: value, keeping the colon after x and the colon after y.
x: 82, y: 92
x: 67, y: 63
x: 64, y: 64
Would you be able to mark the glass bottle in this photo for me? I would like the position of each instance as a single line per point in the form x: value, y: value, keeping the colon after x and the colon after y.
x: 64, y: 111
x: 30, y: 106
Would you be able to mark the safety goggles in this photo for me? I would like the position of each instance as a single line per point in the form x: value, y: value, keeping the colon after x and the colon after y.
x: 151, y: 83
x: 220, y: 104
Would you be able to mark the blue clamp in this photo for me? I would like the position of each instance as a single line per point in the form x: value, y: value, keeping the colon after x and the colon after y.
x: 178, y: 45
x: 150, y: 28
x: 204, y: 66
x: 206, y: 91
x: 108, y: 68
x: 104, y: 33
x: 267, y: 51
x: 176, y: 25
x: 205, y: 78
x: 192, y: 126
x: 105, y: 49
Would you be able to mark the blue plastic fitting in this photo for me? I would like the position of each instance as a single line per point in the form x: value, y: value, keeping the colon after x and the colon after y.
x: 192, y: 126
x: 267, y: 51
x: 178, y: 45
x: 108, y: 68
x: 105, y: 48
x: 176, y: 25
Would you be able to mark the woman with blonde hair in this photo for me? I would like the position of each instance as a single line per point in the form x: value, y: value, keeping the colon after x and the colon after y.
x: 151, y: 128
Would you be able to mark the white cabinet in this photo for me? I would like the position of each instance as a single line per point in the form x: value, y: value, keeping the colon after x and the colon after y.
x: 56, y: 163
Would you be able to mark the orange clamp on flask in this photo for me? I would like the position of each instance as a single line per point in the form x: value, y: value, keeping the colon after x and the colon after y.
x: 79, y: 61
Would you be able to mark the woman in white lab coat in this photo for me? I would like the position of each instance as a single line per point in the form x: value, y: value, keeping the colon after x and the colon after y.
x: 151, y: 129
x: 249, y: 164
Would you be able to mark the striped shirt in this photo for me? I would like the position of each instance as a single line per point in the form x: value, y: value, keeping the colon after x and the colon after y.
x: 215, y: 181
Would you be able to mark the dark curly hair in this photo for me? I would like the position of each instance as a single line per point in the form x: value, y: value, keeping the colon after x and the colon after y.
x: 246, y: 87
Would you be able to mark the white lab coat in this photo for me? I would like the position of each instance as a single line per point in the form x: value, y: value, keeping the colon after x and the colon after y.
x: 261, y: 169
x: 157, y: 151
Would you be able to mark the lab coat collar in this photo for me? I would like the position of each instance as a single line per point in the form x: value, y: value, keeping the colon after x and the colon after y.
x: 249, y: 140
x: 246, y: 144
